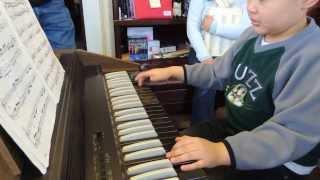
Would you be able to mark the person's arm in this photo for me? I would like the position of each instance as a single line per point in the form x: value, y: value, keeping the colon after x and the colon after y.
x: 231, y: 31
x: 204, y: 153
x: 194, y: 20
x: 293, y: 131
x: 290, y: 134
x: 161, y: 74
x: 217, y: 74
x: 199, y: 74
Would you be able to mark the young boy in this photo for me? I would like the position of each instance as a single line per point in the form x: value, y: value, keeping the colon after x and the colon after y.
x: 272, y: 90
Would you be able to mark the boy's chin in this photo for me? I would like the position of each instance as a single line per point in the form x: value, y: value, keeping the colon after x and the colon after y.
x: 260, y: 30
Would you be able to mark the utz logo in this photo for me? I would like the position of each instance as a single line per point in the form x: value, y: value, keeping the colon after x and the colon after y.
x: 237, y: 94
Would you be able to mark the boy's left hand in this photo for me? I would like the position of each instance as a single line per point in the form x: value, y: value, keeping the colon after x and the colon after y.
x: 206, y: 154
x: 206, y: 23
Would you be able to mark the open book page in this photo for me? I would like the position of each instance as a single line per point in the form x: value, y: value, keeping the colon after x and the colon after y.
x: 36, y: 43
x: 27, y: 109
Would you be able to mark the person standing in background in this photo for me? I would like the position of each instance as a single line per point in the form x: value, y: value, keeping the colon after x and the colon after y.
x: 210, y: 36
x: 56, y: 22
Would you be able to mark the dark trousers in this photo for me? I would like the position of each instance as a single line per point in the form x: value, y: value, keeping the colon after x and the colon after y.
x: 57, y: 24
x: 216, y: 131
x: 203, y: 100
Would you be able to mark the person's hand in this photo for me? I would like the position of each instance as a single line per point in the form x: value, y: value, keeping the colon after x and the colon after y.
x: 201, y: 152
x: 153, y: 75
x: 206, y: 22
x: 208, y: 61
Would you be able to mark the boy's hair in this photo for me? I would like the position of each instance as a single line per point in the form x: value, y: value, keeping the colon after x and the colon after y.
x: 315, y: 12
x: 316, y: 5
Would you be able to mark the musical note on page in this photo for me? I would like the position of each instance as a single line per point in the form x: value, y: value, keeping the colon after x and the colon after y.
x: 27, y: 104
x: 36, y: 43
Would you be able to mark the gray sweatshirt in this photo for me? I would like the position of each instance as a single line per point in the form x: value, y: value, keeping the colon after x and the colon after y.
x: 272, y: 97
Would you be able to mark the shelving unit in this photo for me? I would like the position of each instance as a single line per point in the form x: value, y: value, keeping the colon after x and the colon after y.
x: 168, y: 31
x: 174, y: 97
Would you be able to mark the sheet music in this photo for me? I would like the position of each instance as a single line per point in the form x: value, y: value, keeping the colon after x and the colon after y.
x: 36, y: 43
x: 27, y: 108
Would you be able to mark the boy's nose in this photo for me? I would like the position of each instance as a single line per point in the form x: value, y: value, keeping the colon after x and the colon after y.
x: 252, y: 6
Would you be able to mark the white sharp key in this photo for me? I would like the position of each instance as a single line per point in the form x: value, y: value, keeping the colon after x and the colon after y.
x: 135, y: 129
x: 173, y: 178
x: 128, y: 98
x: 112, y: 73
x: 142, y: 145
x: 132, y: 116
x: 133, y: 124
x: 120, y: 79
x: 146, y: 153
x: 114, y: 99
x: 127, y: 105
x: 123, y: 92
x: 115, y: 74
x: 138, y: 136
x: 117, y: 85
x: 121, y: 89
x: 120, y: 101
x: 129, y: 111
x: 149, y: 166
x: 156, y: 174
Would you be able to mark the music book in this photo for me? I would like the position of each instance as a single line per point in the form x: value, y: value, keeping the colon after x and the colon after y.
x: 31, y: 79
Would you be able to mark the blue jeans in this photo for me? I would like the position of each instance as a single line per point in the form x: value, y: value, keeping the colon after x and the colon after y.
x: 57, y: 24
x: 203, y: 99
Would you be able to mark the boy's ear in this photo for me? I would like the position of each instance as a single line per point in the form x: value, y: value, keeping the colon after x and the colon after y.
x: 309, y: 3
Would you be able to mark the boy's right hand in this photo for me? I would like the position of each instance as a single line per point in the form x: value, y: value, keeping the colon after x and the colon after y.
x: 160, y: 74
x: 198, y: 153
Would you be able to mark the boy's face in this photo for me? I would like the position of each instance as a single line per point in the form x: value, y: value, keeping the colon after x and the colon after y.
x: 270, y: 17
